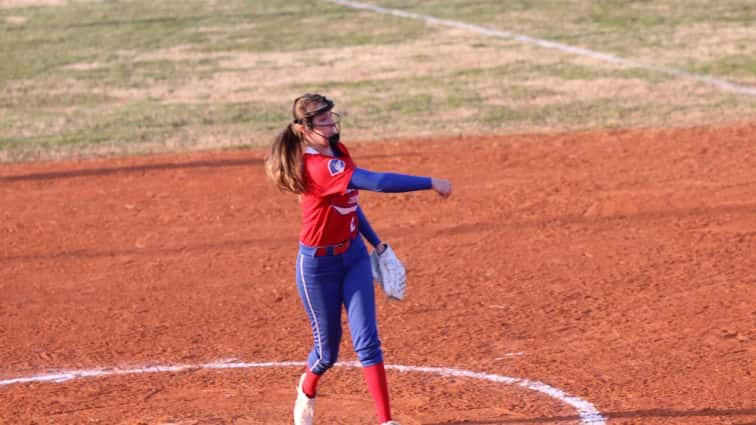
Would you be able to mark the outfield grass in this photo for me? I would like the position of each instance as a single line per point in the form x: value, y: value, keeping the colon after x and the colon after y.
x: 668, y: 32
x: 139, y: 76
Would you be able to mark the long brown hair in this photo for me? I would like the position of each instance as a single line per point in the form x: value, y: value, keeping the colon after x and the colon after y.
x: 283, y: 165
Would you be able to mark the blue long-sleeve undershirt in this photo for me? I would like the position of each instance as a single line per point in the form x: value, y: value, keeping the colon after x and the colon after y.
x: 387, y: 182
x: 383, y: 182
x: 366, y: 229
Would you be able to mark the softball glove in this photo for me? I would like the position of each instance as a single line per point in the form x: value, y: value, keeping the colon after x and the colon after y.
x: 389, y: 272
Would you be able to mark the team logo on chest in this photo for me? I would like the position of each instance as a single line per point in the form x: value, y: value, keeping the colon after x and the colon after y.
x: 336, y: 166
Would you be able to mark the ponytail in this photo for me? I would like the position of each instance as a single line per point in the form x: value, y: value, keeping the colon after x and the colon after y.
x: 284, y: 163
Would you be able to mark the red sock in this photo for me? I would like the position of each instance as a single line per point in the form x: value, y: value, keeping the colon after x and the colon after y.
x: 310, y: 384
x: 375, y: 376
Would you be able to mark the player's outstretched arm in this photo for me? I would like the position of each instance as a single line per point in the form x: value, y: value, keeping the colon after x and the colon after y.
x: 394, y: 182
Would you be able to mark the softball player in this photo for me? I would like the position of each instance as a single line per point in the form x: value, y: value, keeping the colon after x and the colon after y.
x: 333, y: 265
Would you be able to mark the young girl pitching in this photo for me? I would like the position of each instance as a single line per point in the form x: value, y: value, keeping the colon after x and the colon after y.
x: 333, y: 265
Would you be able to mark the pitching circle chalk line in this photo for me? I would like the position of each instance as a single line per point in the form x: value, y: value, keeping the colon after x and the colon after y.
x: 587, y: 412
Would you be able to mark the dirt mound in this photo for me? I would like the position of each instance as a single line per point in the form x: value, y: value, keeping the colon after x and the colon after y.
x: 616, y: 266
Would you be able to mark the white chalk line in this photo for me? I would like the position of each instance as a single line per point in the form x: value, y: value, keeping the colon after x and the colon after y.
x: 510, y: 355
x: 587, y: 412
x: 579, y: 51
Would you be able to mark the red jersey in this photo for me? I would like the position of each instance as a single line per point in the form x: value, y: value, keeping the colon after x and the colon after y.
x: 329, y: 207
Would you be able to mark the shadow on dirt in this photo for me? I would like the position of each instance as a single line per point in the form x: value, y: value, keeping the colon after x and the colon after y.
x: 78, y: 254
x: 104, y: 171
x: 575, y: 219
x: 455, y: 230
x: 141, y: 168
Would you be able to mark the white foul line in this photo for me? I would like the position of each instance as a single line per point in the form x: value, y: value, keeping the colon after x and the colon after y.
x: 607, y: 57
x: 589, y: 415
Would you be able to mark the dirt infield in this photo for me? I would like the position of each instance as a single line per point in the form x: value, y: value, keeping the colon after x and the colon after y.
x: 619, y: 267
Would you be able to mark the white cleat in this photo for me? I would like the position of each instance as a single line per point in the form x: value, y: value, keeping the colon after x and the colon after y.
x: 391, y: 423
x: 304, y: 407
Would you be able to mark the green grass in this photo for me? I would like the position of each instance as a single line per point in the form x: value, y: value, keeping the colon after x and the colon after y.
x: 140, y: 123
x: 565, y: 70
x: 140, y: 75
x: 621, y: 27
x: 95, y: 32
x: 742, y: 66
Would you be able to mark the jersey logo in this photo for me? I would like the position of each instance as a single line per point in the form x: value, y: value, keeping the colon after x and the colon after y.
x: 336, y: 166
x: 352, y: 225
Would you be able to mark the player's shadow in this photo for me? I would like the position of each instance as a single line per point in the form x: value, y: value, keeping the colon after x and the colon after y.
x: 632, y: 414
x: 234, y: 245
x: 140, y: 168
x: 489, y: 226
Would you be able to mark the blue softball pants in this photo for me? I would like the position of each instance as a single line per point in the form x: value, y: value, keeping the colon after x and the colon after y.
x: 325, y: 283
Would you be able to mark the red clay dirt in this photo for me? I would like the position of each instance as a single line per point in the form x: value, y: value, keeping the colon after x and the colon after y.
x: 616, y: 266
